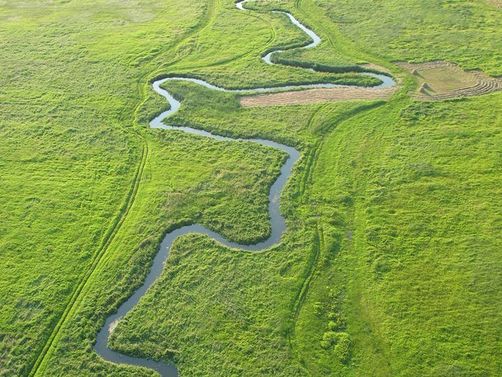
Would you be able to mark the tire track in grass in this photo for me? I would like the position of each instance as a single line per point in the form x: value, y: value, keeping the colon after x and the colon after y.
x: 302, y: 293
x: 309, y: 158
x: 278, y: 222
x: 79, y: 293
x: 38, y: 367
x: 324, y: 129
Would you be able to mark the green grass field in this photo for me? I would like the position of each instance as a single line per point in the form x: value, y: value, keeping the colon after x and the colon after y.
x: 390, y: 265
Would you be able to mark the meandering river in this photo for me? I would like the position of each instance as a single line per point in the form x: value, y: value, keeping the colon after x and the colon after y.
x: 278, y: 224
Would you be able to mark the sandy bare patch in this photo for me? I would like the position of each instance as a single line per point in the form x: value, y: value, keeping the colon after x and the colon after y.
x: 316, y: 96
x: 377, y: 67
x: 442, y: 80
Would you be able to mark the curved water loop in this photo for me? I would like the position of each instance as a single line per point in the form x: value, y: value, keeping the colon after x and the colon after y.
x: 278, y: 224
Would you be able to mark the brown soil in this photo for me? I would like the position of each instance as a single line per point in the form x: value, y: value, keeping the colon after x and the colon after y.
x: 377, y: 67
x: 315, y: 96
x: 442, y: 80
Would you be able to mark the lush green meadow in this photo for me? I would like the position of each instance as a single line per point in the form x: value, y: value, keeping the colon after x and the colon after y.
x: 464, y: 32
x: 390, y: 265
x: 416, y: 282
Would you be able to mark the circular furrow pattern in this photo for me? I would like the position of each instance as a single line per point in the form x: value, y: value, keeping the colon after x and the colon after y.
x: 482, y: 83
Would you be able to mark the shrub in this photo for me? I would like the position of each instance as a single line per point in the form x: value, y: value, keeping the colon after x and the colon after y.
x: 343, y: 347
x: 329, y: 338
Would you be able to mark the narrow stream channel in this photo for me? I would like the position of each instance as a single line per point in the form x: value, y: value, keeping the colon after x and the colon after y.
x: 278, y: 224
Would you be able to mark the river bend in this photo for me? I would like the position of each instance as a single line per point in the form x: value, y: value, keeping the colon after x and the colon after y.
x: 278, y: 224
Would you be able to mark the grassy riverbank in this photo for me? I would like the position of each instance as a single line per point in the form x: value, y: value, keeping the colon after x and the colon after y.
x: 72, y: 156
x: 390, y: 266
x: 400, y: 280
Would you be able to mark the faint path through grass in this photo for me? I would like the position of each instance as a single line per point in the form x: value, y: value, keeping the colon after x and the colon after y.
x: 39, y: 365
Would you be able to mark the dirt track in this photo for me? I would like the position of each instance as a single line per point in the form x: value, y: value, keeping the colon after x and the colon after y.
x: 316, y: 96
